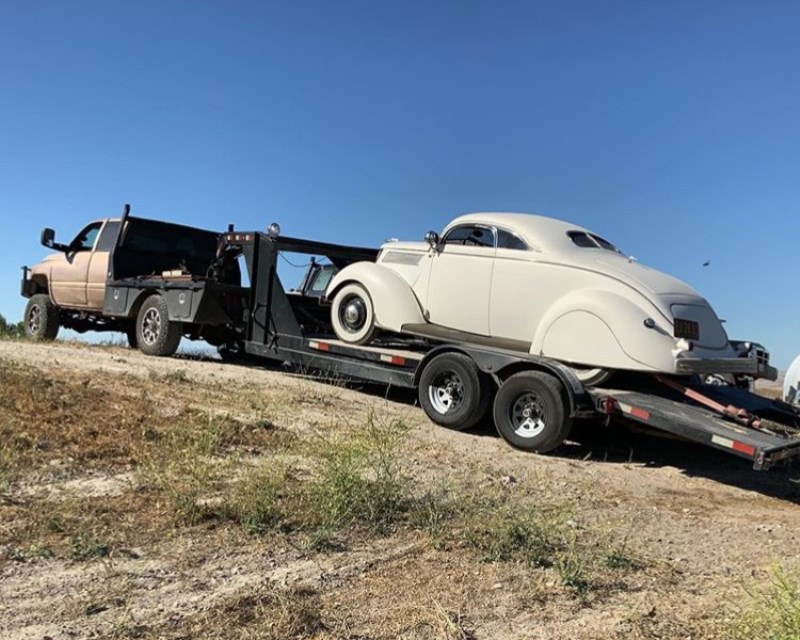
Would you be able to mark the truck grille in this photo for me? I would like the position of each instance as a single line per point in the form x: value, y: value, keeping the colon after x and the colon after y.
x: 688, y: 329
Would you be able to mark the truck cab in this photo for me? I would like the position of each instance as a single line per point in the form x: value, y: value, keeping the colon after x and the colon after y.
x: 154, y: 281
x: 75, y: 276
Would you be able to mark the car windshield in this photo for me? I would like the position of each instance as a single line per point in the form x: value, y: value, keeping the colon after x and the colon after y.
x: 591, y: 241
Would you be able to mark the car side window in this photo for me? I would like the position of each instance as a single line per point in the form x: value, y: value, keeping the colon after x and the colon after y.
x: 471, y: 236
x: 84, y: 241
x: 591, y: 241
x: 507, y: 240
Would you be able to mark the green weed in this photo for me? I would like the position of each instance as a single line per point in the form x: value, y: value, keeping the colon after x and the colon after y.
x: 773, y: 612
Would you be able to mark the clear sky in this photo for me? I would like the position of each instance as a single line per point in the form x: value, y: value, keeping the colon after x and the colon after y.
x: 669, y: 127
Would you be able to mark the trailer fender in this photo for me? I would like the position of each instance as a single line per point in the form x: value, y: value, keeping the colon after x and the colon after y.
x: 393, y: 301
x: 601, y: 328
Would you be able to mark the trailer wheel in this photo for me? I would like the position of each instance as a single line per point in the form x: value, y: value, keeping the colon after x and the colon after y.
x: 530, y: 412
x: 42, y: 318
x: 352, y: 315
x: 156, y: 334
x: 452, y: 391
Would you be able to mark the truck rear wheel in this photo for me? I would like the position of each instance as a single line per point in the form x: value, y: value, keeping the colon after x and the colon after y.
x: 452, y: 391
x: 156, y: 334
x: 42, y: 318
x: 530, y: 412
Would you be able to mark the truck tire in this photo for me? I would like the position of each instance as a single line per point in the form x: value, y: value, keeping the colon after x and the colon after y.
x: 530, y: 412
x: 353, y: 315
x: 42, y: 318
x: 453, y: 392
x: 156, y: 334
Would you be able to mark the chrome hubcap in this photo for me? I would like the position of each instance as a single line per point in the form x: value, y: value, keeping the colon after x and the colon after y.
x: 446, y: 393
x: 354, y: 314
x: 528, y: 416
x: 151, y: 326
x: 34, y: 319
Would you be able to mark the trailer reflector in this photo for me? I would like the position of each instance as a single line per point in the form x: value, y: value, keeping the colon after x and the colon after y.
x: 393, y: 359
x: 319, y: 346
x: 741, y: 447
x: 636, y: 412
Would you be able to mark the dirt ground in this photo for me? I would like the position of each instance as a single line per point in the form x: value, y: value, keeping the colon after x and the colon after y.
x: 694, y: 529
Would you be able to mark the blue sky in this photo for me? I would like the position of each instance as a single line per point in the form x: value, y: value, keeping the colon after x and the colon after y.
x: 670, y: 128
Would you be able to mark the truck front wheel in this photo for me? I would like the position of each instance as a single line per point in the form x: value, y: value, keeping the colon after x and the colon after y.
x: 41, y: 318
x: 156, y: 334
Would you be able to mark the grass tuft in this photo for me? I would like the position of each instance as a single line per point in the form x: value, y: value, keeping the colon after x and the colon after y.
x: 510, y: 530
x: 773, y: 612
x: 361, y: 480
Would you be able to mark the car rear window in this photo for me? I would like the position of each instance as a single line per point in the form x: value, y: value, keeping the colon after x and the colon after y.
x: 591, y: 241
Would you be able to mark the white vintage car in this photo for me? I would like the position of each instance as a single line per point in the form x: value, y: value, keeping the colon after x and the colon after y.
x: 544, y: 286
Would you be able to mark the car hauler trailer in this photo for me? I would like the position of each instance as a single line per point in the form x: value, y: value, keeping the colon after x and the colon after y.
x: 532, y: 401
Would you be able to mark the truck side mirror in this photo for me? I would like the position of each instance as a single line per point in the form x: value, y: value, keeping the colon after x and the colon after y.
x: 48, y: 237
x: 49, y: 240
x: 432, y: 238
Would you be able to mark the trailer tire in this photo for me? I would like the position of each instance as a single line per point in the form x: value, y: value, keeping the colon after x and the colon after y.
x: 42, y: 318
x: 453, y: 392
x: 530, y: 412
x: 156, y: 334
x: 353, y: 315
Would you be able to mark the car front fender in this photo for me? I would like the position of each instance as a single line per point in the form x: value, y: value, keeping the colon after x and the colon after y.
x: 393, y: 300
x: 601, y: 328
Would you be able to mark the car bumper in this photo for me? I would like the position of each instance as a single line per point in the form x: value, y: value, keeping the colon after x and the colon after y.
x: 753, y: 361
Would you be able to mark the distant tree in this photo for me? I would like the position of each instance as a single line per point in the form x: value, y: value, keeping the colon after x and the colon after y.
x: 11, y: 329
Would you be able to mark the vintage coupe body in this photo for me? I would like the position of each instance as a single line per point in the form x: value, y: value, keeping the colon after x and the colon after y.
x: 531, y: 283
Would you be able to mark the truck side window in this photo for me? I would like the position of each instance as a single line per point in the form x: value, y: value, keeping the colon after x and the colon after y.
x: 84, y: 241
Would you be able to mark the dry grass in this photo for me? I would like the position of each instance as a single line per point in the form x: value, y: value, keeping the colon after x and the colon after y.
x: 216, y: 472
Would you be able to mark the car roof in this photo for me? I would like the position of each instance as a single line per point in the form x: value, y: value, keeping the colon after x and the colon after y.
x: 540, y: 231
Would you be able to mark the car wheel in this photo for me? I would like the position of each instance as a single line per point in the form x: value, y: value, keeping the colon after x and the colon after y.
x: 42, y: 318
x: 453, y: 392
x: 156, y: 334
x: 530, y: 412
x: 352, y: 315
x: 592, y: 377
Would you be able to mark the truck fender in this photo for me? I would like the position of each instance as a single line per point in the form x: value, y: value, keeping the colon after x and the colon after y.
x: 602, y: 328
x: 393, y: 300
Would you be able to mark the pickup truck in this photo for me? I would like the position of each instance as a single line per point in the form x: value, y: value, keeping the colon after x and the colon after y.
x: 154, y: 281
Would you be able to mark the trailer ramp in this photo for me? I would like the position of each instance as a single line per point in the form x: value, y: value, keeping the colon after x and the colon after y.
x: 686, y: 419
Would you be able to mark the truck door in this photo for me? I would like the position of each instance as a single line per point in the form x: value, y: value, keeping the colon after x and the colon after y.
x: 99, y: 264
x: 70, y: 270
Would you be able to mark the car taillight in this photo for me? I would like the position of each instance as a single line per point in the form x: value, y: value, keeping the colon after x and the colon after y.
x: 688, y: 329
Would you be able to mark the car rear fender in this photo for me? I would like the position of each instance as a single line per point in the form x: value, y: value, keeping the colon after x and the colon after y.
x: 392, y: 298
x: 602, y: 328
